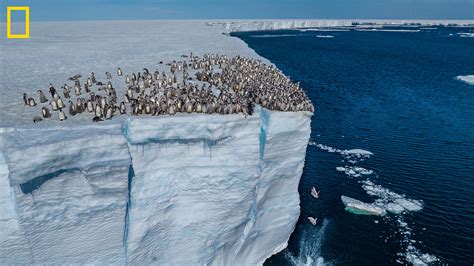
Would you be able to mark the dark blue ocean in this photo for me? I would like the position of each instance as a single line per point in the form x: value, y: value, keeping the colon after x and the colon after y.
x: 395, y: 94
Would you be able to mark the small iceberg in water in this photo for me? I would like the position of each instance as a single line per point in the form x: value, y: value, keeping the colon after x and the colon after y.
x: 324, y: 36
x: 469, y: 79
x: 362, y: 208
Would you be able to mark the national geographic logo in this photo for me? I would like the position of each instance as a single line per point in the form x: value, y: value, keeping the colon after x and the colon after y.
x: 24, y: 35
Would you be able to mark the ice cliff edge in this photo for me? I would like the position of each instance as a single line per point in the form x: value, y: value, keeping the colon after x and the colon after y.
x: 189, y: 189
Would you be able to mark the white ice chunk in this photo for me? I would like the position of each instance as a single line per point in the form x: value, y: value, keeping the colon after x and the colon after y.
x: 359, y: 207
x: 469, y: 79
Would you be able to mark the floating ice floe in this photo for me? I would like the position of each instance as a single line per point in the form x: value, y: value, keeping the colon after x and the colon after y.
x: 466, y: 34
x: 391, y: 201
x: 354, y: 171
x: 469, y: 79
x: 353, y: 153
x: 324, y: 36
x: 359, y: 207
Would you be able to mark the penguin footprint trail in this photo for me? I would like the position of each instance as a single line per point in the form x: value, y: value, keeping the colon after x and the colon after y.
x: 209, y: 84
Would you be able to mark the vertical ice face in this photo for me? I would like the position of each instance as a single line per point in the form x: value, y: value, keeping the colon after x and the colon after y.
x: 14, y: 247
x: 214, y: 189
x: 284, y: 137
x: 70, y: 192
x: 193, y: 188
x: 187, y: 189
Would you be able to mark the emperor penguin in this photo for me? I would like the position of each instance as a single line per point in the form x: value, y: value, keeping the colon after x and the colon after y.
x: 90, y: 106
x: 98, y: 111
x: 108, y: 114
x: 31, y: 102
x: 80, y: 105
x: 25, y: 98
x: 72, y: 109
x: 89, y: 82
x: 60, y: 103
x: 52, y: 90
x: 77, y: 90
x: 123, y: 109
x: 37, y: 119
x: 61, y: 115
x: 54, y: 105
x: 119, y: 72
x: 42, y: 97
x: 66, y: 92
x: 45, y: 112
x: 93, y: 79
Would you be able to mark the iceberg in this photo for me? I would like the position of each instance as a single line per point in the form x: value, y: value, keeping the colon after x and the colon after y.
x: 188, y: 189
x: 469, y: 79
x: 359, y: 207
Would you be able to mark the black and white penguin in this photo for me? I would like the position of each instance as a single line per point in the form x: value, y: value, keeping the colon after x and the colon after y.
x: 123, y: 109
x: 61, y: 115
x: 108, y: 75
x: 108, y: 114
x: 77, y: 90
x: 66, y: 92
x: 80, y: 105
x: 96, y: 119
x: 90, y: 106
x: 25, y: 98
x: 93, y: 80
x: 60, y: 103
x: 37, y: 119
x: 31, y: 102
x: 54, y: 105
x: 52, y: 90
x: 119, y: 72
x: 98, y: 111
x: 45, y: 112
x: 42, y: 97
x: 72, y: 109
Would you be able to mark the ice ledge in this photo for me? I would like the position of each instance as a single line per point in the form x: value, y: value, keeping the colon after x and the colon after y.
x: 279, y: 24
x: 220, y: 189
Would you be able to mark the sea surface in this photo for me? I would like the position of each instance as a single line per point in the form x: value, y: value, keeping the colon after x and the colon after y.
x: 393, y: 92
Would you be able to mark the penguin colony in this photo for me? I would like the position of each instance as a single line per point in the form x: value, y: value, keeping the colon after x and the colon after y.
x: 219, y: 85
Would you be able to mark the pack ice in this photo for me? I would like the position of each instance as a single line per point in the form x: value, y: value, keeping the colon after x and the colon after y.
x: 188, y: 189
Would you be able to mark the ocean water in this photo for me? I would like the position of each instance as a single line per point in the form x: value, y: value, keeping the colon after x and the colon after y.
x: 393, y: 93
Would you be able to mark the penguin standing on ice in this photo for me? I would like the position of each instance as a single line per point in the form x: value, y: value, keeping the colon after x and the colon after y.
x: 31, y: 102
x: 25, y: 98
x: 119, y: 72
x: 61, y: 115
x: 66, y: 92
x: 42, y: 97
x: 93, y: 80
x: 45, y: 112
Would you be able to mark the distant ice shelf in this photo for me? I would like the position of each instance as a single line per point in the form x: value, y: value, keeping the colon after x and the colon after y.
x: 188, y: 189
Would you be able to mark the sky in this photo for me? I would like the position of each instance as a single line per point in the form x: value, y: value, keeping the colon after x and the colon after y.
x: 73, y: 10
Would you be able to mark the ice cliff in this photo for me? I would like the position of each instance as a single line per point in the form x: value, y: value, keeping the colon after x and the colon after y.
x: 188, y: 189
x: 280, y: 24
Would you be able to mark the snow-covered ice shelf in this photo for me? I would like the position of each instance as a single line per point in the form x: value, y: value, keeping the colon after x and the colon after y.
x: 188, y: 189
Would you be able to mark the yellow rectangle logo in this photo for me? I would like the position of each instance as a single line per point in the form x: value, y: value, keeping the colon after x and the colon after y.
x: 25, y: 35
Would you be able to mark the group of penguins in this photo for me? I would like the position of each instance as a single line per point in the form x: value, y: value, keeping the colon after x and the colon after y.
x: 219, y: 85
